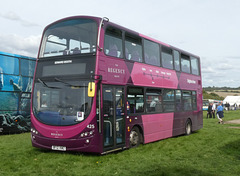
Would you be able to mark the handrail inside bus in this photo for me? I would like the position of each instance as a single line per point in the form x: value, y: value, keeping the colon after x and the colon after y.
x: 99, y: 31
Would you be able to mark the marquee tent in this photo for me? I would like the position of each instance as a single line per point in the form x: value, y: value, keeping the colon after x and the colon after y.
x: 232, y: 100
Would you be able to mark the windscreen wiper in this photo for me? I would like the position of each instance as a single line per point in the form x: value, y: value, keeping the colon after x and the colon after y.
x: 59, y: 80
x: 45, y: 85
x: 70, y: 85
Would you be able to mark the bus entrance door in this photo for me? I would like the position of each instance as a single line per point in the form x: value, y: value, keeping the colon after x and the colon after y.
x: 113, y: 117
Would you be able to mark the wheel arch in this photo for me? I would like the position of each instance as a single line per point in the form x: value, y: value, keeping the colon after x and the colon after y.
x: 140, y: 128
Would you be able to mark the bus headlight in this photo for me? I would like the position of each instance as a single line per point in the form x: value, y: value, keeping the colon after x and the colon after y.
x: 87, y: 134
x: 34, y: 131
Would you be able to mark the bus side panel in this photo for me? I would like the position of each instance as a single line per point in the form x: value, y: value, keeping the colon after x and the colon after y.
x: 189, y: 82
x: 179, y: 122
x: 200, y: 120
x: 157, y: 126
x: 146, y: 75
x: 180, y: 119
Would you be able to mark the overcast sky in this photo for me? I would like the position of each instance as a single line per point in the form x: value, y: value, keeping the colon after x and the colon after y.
x: 207, y: 28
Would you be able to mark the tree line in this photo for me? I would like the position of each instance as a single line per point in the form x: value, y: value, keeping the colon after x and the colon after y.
x: 211, y: 96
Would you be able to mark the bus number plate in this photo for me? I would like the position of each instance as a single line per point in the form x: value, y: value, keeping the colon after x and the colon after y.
x: 61, y: 148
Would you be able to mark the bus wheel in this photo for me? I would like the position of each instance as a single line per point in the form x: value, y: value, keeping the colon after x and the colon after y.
x: 135, y: 137
x: 188, y: 127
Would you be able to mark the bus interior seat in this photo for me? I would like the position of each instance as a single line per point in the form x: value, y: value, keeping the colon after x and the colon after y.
x: 135, y: 56
x: 147, y: 59
x: 65, y: 51
x: 113, y: 50
x: 185, y: 68
x: 153, y: 60
x: 76, y: 51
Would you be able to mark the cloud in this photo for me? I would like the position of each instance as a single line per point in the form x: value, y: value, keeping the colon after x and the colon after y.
x: 208, y: 70
x: 233, y: 57
x: 16, y: 44
x: 14, y: 17
x: 225, y: 66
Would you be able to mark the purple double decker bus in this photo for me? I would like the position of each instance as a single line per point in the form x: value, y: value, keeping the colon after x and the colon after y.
x: 100, y: 87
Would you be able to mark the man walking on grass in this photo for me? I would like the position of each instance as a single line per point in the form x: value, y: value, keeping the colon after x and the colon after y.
x: 220, y: 113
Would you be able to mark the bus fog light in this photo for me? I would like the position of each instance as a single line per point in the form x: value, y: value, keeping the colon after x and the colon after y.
x: 87, y: 141
x: 34, y: 131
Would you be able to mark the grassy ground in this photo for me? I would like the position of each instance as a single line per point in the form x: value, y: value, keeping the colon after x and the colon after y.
x: 212, y: 151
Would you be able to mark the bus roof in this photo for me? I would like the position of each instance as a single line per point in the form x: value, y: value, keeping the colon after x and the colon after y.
x: 98, y: 20
x: 16, y: 55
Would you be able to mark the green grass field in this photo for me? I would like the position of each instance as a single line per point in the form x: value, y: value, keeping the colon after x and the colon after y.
x: 211, y: 151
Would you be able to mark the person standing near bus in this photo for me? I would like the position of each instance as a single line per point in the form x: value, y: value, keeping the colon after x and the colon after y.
x: 213, y: 110
x: 220, y: 113
x: 209, y: 114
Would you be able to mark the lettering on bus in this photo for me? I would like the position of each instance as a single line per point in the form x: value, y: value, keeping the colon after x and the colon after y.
x: 116, y: 70
x: 63, y: 62
x: 56, y: 134
x: 189, y: 81
x: 157, y: 73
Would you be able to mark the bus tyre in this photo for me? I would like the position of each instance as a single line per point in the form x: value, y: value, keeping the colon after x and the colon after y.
x: 188, y: 127
x: 135, y: 137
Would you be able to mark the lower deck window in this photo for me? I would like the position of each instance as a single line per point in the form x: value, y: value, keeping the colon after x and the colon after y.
x: 135, y: 101
x: 154, y: 100
x: 168, y: 100
x: 187, y: 100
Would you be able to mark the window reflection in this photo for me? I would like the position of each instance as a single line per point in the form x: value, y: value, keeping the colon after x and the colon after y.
x: 151, y: 53
x: 167, y: 58
x: 70, y: 37
x: 61, y: 103
x: 153, y: 100
x: 133, y: 50
x: 113, y: 43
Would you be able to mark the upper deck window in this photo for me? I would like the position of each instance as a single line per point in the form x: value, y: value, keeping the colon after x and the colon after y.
x: 113, y: 42
x: 69, y: 37
x: 151, y: 53
x: 185, y: 63
x: 133, y: 48
x: 194, y: 66
x: 176, y: 56
x: 167, y: 58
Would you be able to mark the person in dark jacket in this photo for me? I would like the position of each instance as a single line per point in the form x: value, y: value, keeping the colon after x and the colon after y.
x: 220, y: 113
x: 209, y: 114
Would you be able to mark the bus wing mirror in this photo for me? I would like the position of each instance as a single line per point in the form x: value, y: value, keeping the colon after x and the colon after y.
x: 91, y: 89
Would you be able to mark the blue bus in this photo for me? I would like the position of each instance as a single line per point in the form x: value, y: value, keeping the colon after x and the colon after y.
x: 16, y: 77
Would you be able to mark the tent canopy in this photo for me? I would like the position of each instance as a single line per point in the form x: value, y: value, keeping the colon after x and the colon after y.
x: 232, y: 100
